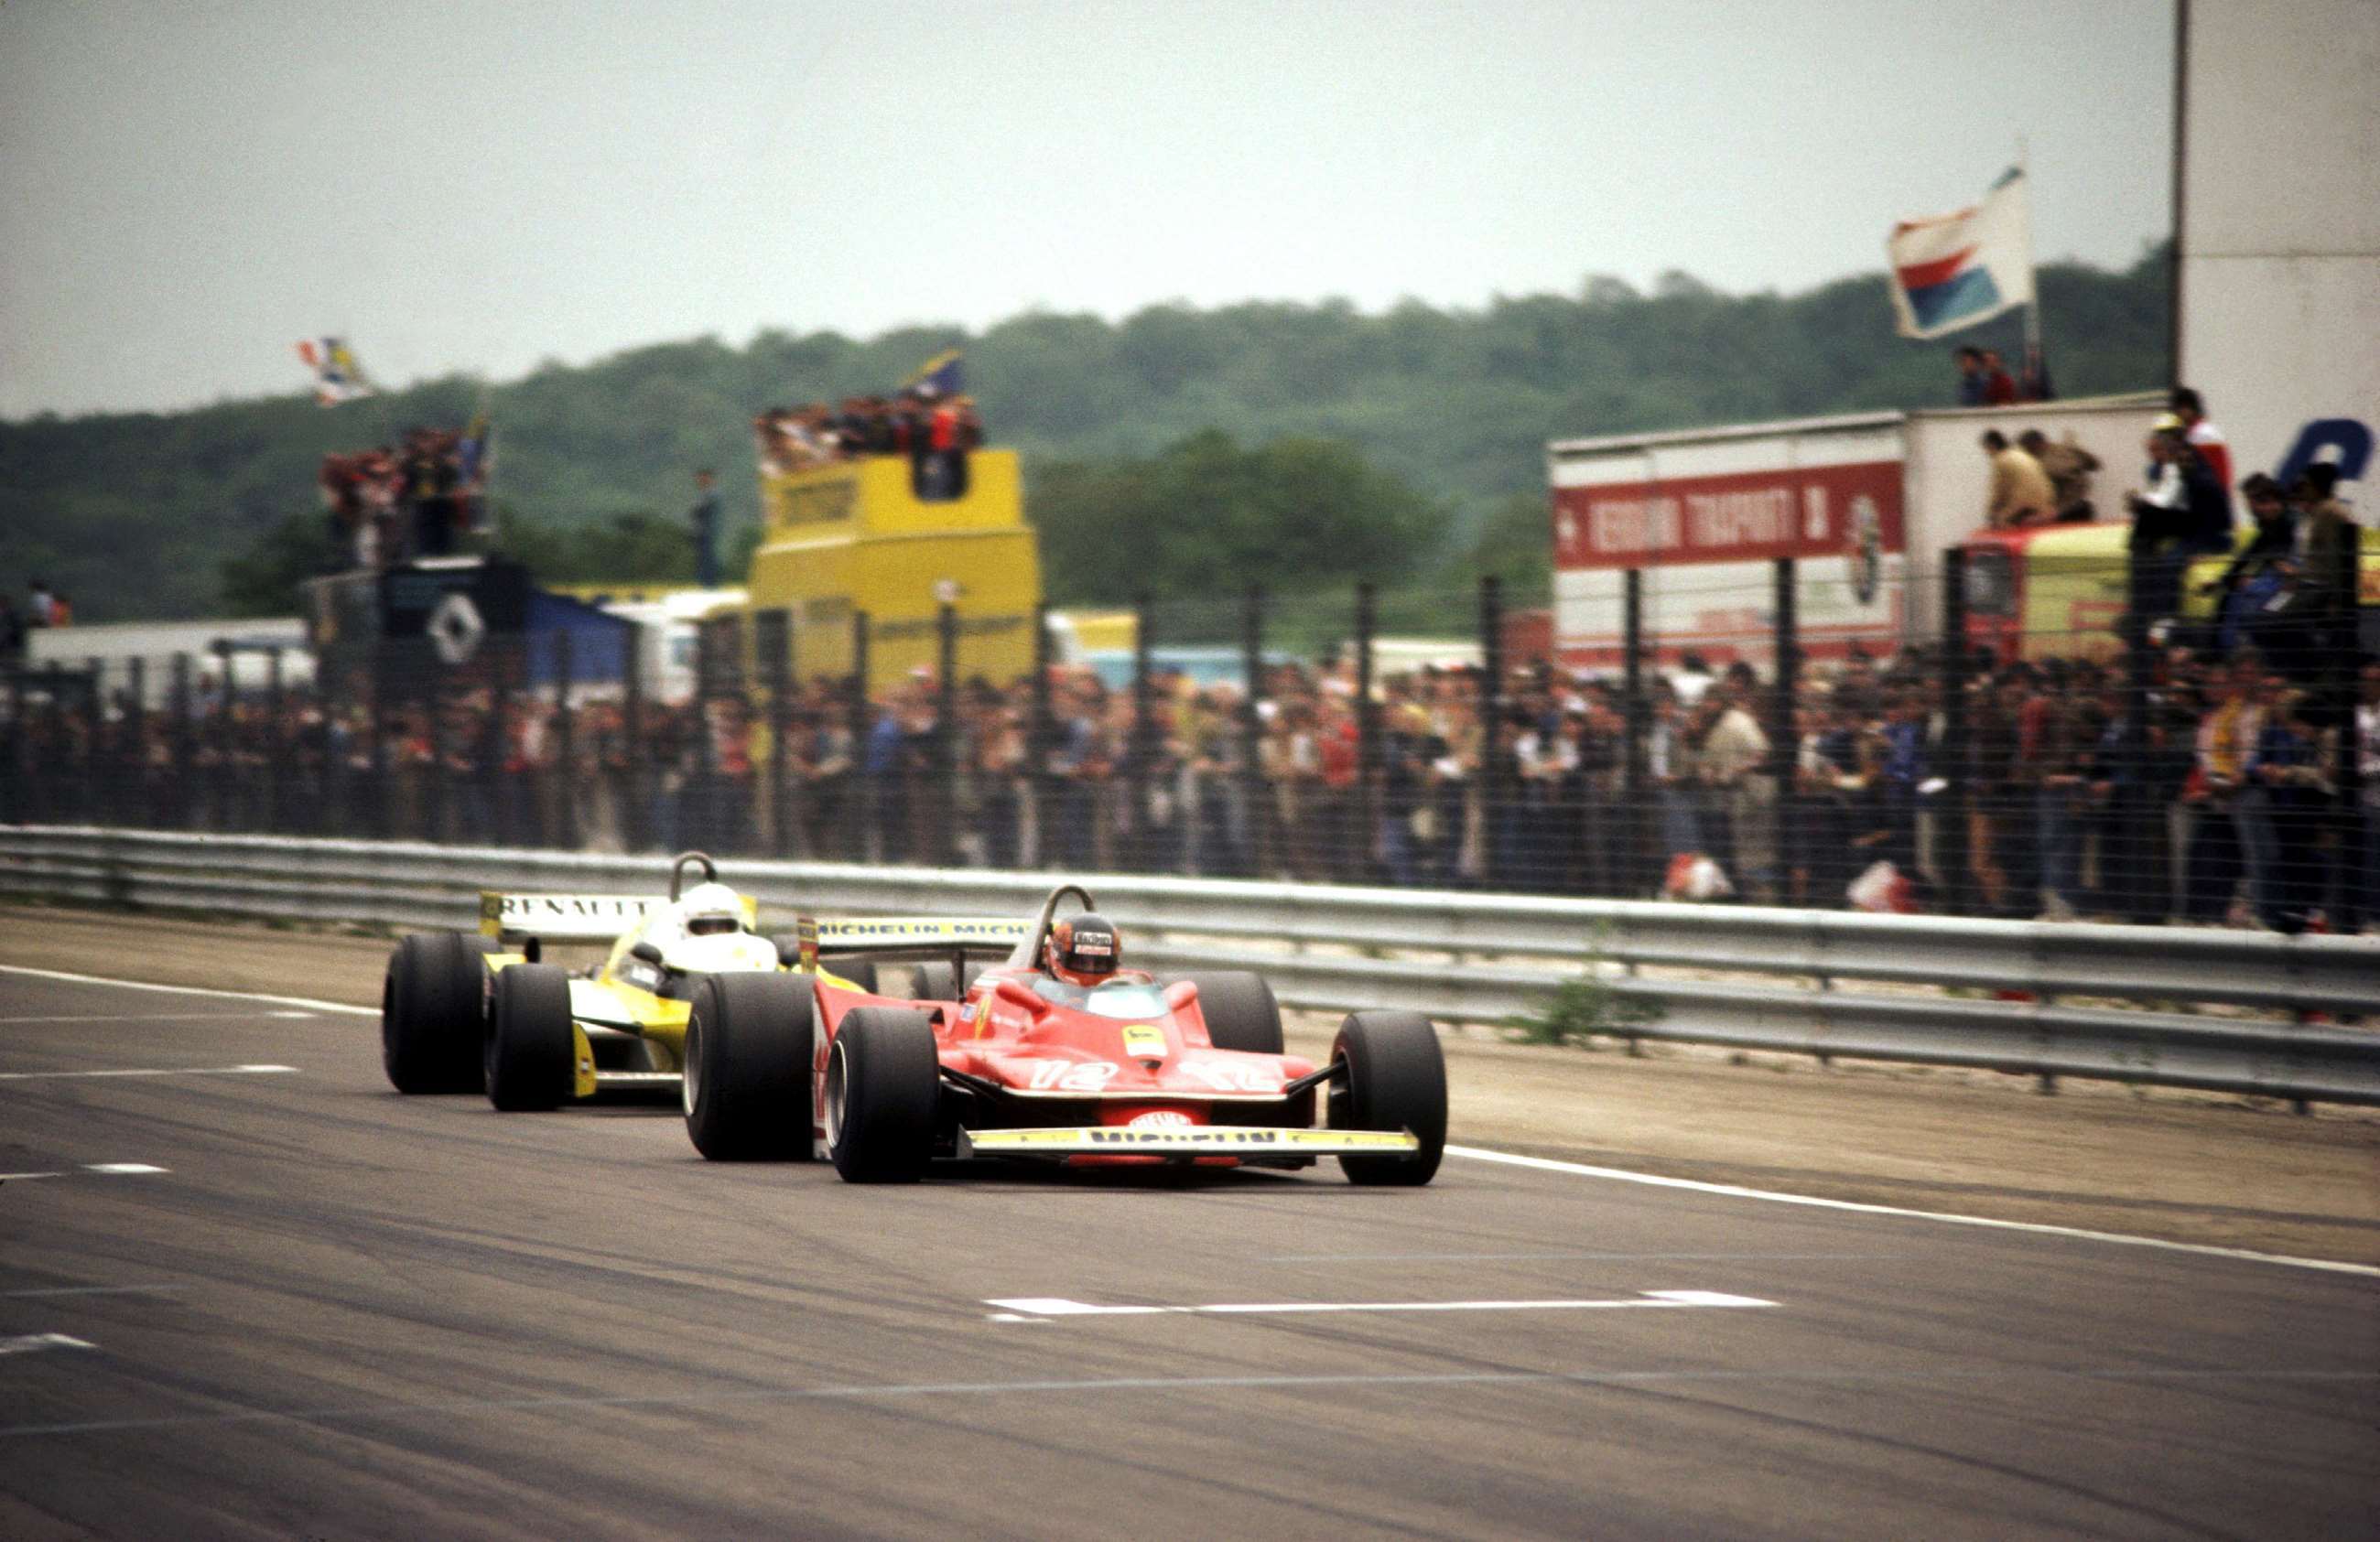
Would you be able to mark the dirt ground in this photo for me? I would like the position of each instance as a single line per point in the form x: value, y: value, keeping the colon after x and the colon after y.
x: 2191, y: 1166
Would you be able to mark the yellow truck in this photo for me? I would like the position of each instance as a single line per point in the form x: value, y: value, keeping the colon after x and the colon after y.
x: 855, y: 536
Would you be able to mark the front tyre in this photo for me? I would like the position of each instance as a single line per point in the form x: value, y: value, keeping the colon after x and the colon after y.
x: 432, y: 1012
x: 883, y: 1085
x: 530, y: 1044
x: 748, y: 1049
x: 1391, y: 1075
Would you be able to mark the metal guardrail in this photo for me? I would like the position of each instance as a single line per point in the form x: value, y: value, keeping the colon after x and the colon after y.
x: 1456, y: 957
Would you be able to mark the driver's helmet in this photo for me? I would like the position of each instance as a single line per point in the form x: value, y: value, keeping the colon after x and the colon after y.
x: 708, y: 909
x: 1084, y: 949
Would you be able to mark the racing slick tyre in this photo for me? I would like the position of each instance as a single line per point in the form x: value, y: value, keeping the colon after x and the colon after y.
x: 746, y: 1092
x: 1391, y: 1076
x: 935, y: 982
x: 432, y: 1007
x: 1239, y: 1011
x: 528, y: 1039
x: 883, y: 1085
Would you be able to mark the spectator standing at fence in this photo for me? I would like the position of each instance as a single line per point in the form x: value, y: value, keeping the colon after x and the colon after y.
x: 1991, y: 772
x: 2020, y: 492
x: 2290, y: 770
x: 1729, y: 758
x: 2227, y: 734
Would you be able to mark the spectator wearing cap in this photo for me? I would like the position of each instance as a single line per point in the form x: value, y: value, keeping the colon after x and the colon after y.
x: 2021, y: 492
x: 2253, y: 576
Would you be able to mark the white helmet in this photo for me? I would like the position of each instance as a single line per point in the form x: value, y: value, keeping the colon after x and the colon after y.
x: 709, y: 908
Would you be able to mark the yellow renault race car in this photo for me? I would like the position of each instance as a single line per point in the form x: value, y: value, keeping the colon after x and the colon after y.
x: 462, y: 1013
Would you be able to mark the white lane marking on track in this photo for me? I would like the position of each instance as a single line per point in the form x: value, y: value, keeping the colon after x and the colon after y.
x: 166, y: 1071
x: 20, y: 1177
x: 153, y: 1017
x: 1733, y: 1191
x: 1597, y: 1257
x: 89, y: 1290
x: 26, y: 1343
x: 1782, y: 1375
x: 306, y: 1002
x: 1480, y: 1154
x: 122, y: 1169
x: 1023, y: 1308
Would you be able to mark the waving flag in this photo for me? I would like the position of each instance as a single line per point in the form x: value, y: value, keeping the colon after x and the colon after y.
x: 1951, y: 270
x: 938, y: 375
x: 337, y: 376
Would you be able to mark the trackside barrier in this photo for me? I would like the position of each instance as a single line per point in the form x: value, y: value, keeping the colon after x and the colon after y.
x: 1456, y: 957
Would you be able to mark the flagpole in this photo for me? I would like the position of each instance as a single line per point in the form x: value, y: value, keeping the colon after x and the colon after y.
x: 2032, y: 269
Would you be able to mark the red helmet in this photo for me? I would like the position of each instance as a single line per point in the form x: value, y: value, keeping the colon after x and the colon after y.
x: 1084, y: 949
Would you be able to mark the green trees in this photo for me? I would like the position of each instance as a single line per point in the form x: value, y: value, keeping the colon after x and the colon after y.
x: 1314, y: 440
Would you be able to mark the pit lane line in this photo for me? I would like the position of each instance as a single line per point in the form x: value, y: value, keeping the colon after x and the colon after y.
x: 1480, y: 1154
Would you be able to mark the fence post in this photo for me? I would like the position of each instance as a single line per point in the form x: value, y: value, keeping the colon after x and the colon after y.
x: 1360, y: 865
x: 869, y: 846
x: 2353, y: 836
x: 1256, y: 792
x: 1784, y: 738
x: 276, y: 708
x: 947, y: 738
x: 225, y: 780
x: 1638, y: 728
x: 559, y: 792
x: 134, y: 803
x: 1043, y: 740
x: 2136, y: 812
x: 1492, y: 791
x: 437, y: 797
x: 632, y: 733
x: 178, y: 744
x: 1956, y: 803
x: 1140, y: 752
x: 772, y: 641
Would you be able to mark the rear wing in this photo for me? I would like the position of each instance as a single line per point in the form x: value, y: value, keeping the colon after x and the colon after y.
x: 573, y: 918
x: 906, y: 934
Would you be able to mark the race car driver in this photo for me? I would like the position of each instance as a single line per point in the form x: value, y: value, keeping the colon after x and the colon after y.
x: 710, y: 909
x: 1083, y: 950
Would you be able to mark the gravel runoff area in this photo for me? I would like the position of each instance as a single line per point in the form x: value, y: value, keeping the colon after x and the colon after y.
x: 2197, y: 1167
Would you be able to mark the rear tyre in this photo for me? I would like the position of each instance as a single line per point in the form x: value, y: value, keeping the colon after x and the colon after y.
x: 1391, y: 1076
x: 1239, y: 1011
x: 528, y: 1039
x: 938, y: 982
x: 861, y: 973
x: 746, y: 1092
x: 432, y: 1011
x: 883, y: 1084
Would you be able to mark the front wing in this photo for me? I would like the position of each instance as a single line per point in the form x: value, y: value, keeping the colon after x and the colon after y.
x: 1251, y: 1144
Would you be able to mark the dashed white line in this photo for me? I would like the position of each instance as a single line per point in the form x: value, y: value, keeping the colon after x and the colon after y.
x: 162, y: 1071
x: 26, y: 1343
x: 306, y: 1002
x: 1029, y: 1308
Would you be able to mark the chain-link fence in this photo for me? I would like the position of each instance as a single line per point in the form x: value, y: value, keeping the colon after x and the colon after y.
x: 2027, y: 751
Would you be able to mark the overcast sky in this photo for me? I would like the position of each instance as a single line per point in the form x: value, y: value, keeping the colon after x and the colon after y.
x: 186, y: 188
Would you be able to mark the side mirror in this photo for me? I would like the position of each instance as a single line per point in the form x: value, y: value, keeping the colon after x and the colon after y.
x: 1181, y: 993
x: 1017, y: 993
x: 650, y: 953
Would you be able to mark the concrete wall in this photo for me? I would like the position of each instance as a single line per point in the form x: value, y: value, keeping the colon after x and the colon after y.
x: 2280, y: 218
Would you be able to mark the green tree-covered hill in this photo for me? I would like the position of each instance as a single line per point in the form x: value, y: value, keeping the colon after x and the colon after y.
x: 1446, y: 412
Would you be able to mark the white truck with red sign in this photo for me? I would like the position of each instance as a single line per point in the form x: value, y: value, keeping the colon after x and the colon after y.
x: 1866, y: 504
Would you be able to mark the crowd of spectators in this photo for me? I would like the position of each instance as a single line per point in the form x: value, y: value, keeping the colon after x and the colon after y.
x: 417, y: 498
x: 933, y: 430
x: 43, y: 607
x: 2228, y: 808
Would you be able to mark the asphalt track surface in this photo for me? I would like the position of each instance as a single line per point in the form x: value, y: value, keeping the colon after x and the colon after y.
x: 332, y: 1311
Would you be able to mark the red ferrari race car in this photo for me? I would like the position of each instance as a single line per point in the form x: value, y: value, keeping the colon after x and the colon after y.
x: 1051, y: 1052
